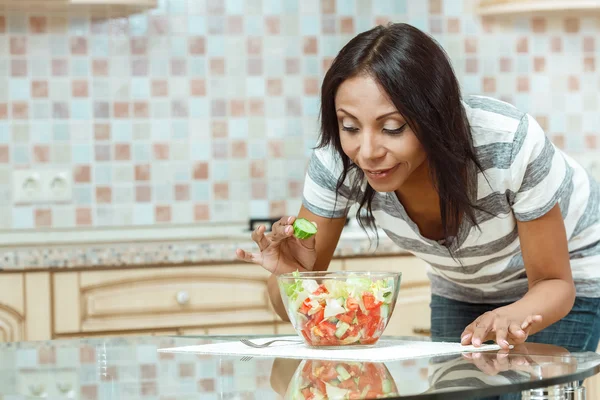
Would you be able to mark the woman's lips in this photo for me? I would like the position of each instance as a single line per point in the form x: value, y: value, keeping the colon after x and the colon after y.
x: 380, y: 173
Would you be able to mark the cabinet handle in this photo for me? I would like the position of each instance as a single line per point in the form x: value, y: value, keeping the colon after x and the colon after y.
x: 183, y: 297
x: 421, y: 331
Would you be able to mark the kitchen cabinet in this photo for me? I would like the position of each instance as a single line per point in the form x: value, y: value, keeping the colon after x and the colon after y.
x: 227, y: 298
x: 204, y: 299
x: 24, y: 307
x: 12, y: 310
x: 498, y: 7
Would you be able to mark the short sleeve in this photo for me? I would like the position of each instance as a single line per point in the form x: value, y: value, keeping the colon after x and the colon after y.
x: 540, y: 175
x: 320, y: 195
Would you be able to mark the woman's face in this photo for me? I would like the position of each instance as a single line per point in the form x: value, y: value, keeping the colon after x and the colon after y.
x: 375, y: 136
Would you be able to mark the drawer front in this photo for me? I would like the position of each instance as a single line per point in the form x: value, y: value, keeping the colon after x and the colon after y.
x: 193, y: 293
x: 199, y: 297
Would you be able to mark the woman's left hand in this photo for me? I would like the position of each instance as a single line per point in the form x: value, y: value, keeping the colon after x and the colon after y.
x: 499, y: 326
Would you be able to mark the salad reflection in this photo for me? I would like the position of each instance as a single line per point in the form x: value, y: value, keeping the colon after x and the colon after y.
x: 332, y: 380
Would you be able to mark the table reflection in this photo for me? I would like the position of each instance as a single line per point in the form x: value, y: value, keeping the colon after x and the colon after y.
x: 328, y: 379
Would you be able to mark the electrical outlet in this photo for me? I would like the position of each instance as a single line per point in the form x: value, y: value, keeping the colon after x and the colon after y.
x: 34, y: 186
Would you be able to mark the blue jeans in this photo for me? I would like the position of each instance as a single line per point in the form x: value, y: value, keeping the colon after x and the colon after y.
x: 578, y: 331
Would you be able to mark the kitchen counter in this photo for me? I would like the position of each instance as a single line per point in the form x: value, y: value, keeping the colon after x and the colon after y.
x: 192, y: 245
x: 133, y: 368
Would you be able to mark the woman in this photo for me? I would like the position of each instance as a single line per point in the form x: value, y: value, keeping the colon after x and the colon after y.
x: 508, y: 223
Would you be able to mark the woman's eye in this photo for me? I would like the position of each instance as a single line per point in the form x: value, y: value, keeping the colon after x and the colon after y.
x: 395, y: 131
x: 349, y: 128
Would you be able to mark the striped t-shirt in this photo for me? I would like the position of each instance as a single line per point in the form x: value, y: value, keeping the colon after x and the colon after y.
x: 525, y: 176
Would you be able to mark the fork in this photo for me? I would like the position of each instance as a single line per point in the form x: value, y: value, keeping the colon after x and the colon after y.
x: 266, y: 344
x: 246, y: 358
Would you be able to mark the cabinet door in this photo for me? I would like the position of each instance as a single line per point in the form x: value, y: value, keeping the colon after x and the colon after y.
x: 12, y: 310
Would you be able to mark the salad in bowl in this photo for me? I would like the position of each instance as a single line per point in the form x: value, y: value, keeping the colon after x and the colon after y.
x: 339, y: 308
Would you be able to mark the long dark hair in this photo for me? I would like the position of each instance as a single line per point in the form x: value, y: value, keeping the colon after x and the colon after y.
x: 416, y: 74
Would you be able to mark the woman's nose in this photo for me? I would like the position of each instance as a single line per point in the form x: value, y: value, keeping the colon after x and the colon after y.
x: 371, y: 148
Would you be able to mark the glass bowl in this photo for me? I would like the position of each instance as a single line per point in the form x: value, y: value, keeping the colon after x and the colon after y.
x: 330, y: 308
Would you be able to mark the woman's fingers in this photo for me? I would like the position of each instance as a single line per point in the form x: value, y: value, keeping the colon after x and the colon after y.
x: 255, y: 258
x: 515, y: 330
x: 502, y: 336
x: 282, y: 229
x: 530, y: 320
x: 483, y: 325
x: 466, y: 336
x: 258, y: 236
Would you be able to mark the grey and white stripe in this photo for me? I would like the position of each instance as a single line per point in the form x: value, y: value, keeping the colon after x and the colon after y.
x: 524, y: 175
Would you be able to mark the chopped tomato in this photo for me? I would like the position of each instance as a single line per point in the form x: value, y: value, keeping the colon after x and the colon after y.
x: 371, y: 394
x: 354, y: 370
x: 307, y: 369
x: 376, y: 311
x: 306, y: 336
x: 328, y: 374
x: 372, y: 326
x: 351, y: 304
x: 348, y: 384
x: 321, y: 386
x: 363, y: 319
x: 305, y: 307
x: 369, y: 301
x: 328, y: 328
x: 353, y: 330
x: 318, y: 316
x: 363, y: 382
x: 317, y: 331
x: 347, y: 317
x: 321, y: 289
x: 307, y: 394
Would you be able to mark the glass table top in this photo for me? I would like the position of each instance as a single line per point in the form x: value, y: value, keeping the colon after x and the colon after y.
x: 132, y: 368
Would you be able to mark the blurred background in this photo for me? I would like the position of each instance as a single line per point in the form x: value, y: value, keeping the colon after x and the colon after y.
x: 191, y: 111
x: 139, y: 140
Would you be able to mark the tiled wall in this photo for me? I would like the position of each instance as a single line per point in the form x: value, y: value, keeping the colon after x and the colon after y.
x: 206, y: 110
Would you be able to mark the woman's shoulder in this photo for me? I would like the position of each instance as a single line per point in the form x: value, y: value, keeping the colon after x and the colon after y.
x: 326, y: 164
x: 489, y: 109
x: 495, y: 124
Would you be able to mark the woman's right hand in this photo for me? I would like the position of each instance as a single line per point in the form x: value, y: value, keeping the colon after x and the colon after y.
x: 280, y: 251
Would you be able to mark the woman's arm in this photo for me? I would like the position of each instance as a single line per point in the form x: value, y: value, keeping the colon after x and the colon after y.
x: 551, y: 293
x: 326, y: 240
x: 545, y: 252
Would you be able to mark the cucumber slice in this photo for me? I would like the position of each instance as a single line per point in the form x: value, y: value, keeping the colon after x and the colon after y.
x: 343, y: 373
x: 303, y: 228
x: 384, y: 311
x: 386, y: 386
x: 341, y: 329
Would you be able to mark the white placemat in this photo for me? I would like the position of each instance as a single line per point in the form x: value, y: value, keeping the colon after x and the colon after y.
x: 384, y: 350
